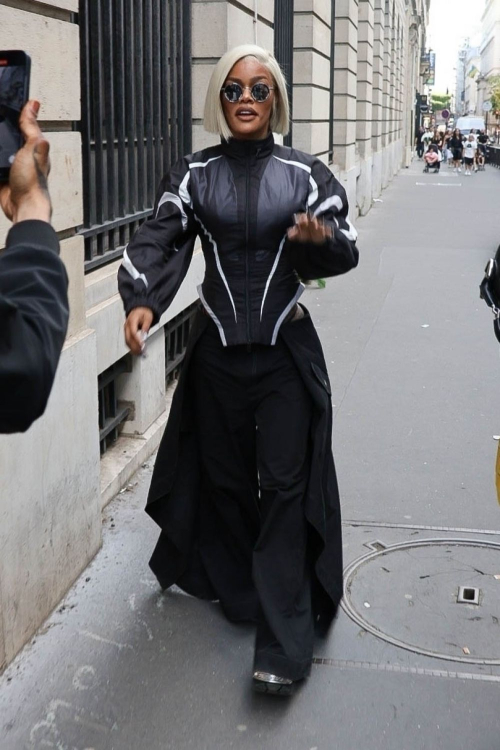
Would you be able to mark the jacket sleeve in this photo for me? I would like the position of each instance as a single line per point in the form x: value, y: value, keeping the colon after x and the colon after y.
x: 33, y: 322
x: 328, y: 201
x: 157, y: 258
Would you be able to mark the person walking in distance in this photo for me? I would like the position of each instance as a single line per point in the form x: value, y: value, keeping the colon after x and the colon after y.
x: 244, y: 486
x: 427, y: 138
x: 482, y: 144
x: 456, y: 146
x: 470, y: 150
x: 419, y: 142
x: 445, y: 146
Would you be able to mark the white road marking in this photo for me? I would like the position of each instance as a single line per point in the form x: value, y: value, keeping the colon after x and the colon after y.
x: 100, y: 639
x: 84, y: 678
x: 440, y: 184
x: 148, y: 629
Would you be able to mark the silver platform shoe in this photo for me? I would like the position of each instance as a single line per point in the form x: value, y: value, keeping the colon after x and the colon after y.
x: 264, y: 682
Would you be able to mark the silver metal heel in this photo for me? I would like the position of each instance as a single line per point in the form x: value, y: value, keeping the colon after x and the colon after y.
x: 264, y: 682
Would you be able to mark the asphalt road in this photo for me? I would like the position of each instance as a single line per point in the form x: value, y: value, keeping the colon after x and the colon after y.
x: 415, y: 372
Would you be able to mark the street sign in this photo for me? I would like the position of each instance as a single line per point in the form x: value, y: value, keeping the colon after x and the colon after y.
x: 445, y: 114
x: 487, y: 107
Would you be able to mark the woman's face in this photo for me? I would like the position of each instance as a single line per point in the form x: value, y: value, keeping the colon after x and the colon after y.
x: 246, y: 118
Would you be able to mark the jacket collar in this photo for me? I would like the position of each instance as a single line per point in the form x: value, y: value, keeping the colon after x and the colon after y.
x: 241, y: 149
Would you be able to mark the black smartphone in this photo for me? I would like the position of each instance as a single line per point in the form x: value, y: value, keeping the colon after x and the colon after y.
x: 15, y: 67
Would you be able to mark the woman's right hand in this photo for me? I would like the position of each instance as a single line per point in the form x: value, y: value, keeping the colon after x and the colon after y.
x: 139, y: 321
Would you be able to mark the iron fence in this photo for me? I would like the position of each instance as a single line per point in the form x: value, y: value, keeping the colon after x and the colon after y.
x: 283, y: 49
x: 493, y: 156
x: 136, y: 112
x: 112, y: 413
x: 176, y: 339
x: 331, y: 133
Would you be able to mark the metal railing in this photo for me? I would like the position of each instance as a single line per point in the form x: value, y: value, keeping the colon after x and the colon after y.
x: 176, y: 339
x: 283, y: 49
x: 494, y: 156
x: 331, y: 134
x: 136, y: 112
x: 112, y: 413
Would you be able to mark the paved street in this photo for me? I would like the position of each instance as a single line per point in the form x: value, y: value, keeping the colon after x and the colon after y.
x: 415, y: 371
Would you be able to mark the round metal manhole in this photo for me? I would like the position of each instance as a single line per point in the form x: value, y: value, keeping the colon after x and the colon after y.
x: 407, y: 595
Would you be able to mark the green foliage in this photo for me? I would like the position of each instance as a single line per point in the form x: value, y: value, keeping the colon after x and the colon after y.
x: 440, y: 102
x: 494, y: 84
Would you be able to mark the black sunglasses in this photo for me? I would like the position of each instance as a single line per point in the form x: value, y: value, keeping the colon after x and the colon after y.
x: 234, y: 92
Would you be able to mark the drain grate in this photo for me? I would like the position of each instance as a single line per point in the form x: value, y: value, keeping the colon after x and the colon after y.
x: 468, y: 595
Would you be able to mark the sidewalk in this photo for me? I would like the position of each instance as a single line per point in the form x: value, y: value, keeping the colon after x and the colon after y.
x: 415, y: 373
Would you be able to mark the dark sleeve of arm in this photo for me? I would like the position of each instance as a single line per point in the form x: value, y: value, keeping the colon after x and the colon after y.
x: 33, y: 322
x: 158, y: 257
x: 338, y: 254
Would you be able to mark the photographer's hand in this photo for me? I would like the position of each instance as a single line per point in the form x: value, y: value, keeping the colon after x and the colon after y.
x: 26, y: 196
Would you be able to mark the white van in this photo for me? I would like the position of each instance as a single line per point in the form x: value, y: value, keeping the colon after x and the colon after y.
x: 466, y: 124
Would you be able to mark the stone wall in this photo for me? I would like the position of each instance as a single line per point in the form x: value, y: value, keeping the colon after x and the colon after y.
x: 50, y: 525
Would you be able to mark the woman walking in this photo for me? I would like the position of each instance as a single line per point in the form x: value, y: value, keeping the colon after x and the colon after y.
x: 456, y: 145
x: 244, y: 487
x: 419, y: 142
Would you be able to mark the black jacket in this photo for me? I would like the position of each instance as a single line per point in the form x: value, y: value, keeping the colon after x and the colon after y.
x: 240, y: 197
x: 33, y: 322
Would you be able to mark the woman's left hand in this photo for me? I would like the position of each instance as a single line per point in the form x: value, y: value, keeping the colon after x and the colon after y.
x: 308, y: 229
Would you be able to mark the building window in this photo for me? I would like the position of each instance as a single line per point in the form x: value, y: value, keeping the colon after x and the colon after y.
x: 136, y: 112
x: 283, y: 49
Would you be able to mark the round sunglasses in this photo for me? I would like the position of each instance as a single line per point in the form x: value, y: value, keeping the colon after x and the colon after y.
x: 234, y: 92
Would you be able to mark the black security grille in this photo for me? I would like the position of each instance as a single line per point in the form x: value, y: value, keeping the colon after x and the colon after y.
x: 332, y: 84
x: 112, y: 413
x: 136, y: 112
x: 283, y: 48
x: 176, y: 339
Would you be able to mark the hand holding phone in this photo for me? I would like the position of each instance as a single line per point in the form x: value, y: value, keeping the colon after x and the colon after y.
x: 26, y: 195
x: 15, y: 67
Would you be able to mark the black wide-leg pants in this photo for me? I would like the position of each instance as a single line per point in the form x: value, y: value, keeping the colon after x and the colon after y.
x: 253, y: 417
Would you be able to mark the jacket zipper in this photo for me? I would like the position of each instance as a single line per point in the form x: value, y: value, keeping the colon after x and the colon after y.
x: 247, y: 273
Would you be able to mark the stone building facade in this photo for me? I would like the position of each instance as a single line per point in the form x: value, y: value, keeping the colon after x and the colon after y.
x: 356, y: 71
x: 490, y: 53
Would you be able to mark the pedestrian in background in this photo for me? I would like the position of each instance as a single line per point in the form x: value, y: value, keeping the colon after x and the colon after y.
x: 419, y: 142
x: 244, y: 486
x: 457, y: 146
x: 427, y: 138
x: 437, y: 138
x: 470, y: 150
x: 482, y: 144
x: 431, y: 159
x: 447, y: 153
x: 33, y: 285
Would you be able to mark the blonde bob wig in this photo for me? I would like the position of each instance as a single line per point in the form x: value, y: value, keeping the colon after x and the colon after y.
x: 214, y: 119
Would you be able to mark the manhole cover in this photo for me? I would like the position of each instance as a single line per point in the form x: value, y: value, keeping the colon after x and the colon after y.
x: 408, y: 595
